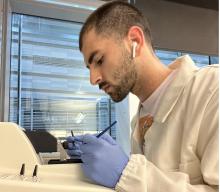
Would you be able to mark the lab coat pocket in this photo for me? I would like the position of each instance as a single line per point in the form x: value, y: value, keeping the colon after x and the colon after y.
x: 193, y: 169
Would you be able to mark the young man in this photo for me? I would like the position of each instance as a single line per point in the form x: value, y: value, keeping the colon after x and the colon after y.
x: 175, y: 132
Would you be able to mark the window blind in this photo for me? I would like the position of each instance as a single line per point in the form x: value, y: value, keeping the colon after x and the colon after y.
x: 49, y: 83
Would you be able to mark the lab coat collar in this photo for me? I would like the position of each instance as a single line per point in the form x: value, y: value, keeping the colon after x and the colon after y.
x: 186, y: 68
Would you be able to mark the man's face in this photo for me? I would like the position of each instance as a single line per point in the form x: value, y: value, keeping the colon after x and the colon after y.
x: 110, y: 65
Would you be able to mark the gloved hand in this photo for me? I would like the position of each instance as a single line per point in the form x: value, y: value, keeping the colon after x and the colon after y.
x: 73, y: 146
x: 103, y: 160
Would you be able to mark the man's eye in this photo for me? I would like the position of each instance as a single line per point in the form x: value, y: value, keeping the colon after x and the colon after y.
x: 100, y: 61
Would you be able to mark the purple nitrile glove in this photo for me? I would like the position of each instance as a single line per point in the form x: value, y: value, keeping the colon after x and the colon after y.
x: 73, y: 146
x: 103, y: 159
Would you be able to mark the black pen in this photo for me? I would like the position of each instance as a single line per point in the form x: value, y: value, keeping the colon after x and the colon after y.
x: 72, y: 133
x: 106, y: 129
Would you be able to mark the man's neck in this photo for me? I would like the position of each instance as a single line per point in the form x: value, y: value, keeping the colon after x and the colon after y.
x: 151, y: 75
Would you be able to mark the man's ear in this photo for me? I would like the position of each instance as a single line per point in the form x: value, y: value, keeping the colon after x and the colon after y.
x: 136, y: 38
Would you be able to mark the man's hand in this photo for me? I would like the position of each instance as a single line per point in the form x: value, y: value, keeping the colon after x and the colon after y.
x: 73, y: 146
x: 103, y: 160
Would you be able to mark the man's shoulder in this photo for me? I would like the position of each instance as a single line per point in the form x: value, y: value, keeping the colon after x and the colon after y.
x: 210, y: 68
x: 208, y: 75
x: 203, y: 84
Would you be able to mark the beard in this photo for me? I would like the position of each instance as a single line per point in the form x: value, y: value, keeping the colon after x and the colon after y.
x: 125, y: 75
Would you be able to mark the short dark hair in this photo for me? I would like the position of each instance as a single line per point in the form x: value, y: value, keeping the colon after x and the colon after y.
x: 115, y: 18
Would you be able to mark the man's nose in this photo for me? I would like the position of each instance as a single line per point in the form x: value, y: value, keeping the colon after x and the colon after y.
x: 95, y: 77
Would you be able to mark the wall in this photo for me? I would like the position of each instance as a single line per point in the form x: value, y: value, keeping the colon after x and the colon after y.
x: 181, y: 27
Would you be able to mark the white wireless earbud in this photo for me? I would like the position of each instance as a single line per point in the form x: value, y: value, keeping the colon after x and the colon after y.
x: 134, y: 45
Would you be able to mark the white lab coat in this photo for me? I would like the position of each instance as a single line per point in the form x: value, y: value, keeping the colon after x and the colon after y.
x: 180, y: 153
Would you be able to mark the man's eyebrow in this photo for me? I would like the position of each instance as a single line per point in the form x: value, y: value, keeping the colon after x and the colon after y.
x: 92, y: 56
